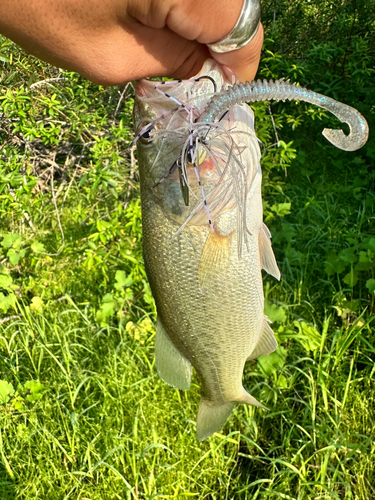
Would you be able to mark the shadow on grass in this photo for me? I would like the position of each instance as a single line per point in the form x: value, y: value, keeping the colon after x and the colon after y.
x: 7, y: 486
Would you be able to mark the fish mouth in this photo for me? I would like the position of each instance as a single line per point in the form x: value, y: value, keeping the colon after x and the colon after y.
x: 144, y: 89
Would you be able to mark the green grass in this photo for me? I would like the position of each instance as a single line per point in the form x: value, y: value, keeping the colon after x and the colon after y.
x: 104, y: 426
x: 83, y: 414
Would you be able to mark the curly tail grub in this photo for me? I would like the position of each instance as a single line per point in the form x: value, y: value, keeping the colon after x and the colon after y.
x: 281, y: 91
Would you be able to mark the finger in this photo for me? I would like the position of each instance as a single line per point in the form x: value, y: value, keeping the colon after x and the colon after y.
x: 210, y: 21
x: 141, y: 52
x: 243, y: 63
x: 158, y: 52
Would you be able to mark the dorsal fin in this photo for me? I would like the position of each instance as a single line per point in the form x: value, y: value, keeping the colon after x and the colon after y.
x: 267, y: 342
x: 267, y: 257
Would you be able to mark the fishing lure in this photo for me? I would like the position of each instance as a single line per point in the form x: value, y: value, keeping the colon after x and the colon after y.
x: 279, y: 90
x: 145, y: 131
x: 204, y: 128
x: 282, y: 90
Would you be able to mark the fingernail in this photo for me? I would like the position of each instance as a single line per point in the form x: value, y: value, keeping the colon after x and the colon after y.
x: 229, y: 74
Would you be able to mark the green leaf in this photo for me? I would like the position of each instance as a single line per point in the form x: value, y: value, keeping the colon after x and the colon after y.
x: 308, y: 336
x: 38, y: 247
x: 281, y: 209
x: 33, y: 386
x: 334, y: 265
x: 14, y: 257
x: 281, y: 382
x: 10, y: 240
x: 348, y: 255
x: 35, y: 390
x: 274, y: 312
x: 122, y: 280
x: 107, y: 309
x: 371, y: 244
x: 370, y: 284
x: 270, y: 363
x: 351, y: 278
x: 364, y: 257
x: 37, y: 304
x: 108, y: 300
x: 364, y: 266
x: 5, y: 281
x: 6, y: 391
x: 7, y: 301
x: 17, y: 403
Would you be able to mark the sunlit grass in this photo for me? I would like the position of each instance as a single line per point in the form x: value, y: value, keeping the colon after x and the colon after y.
x: 105, y: 425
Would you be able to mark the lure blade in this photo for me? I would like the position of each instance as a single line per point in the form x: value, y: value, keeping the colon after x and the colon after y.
x: 184, y: 187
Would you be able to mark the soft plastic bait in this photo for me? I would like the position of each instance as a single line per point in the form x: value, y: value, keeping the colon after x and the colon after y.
x: 281, y: 91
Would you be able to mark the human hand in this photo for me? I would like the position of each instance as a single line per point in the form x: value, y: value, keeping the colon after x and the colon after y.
x: 114, y: 41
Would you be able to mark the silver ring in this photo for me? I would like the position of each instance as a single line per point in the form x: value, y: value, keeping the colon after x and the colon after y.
x: 243, y: 32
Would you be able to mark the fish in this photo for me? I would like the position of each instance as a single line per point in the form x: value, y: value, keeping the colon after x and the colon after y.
x: 204, y: 259
x: 204, y: 240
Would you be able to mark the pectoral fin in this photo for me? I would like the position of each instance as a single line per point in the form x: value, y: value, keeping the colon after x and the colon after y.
x: 267, y: 257
x: 267, y: 342
x: 215, y: 256
x: 171, y: 365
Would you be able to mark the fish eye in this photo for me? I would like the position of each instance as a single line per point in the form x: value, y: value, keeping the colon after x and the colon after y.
x: 144, y: 138
x: 189, y: 156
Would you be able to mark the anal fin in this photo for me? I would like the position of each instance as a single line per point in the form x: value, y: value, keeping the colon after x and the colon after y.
x: 267, y: 342
x: 171, y: 365
x: 267, y: 257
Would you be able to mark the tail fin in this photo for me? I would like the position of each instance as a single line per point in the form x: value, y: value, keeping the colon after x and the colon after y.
x: 212, y: 416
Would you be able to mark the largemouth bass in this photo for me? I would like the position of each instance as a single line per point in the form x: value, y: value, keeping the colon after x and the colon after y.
x: 204, y: 240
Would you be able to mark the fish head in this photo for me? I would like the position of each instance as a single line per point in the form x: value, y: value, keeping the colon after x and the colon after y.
x: 194, y: 171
